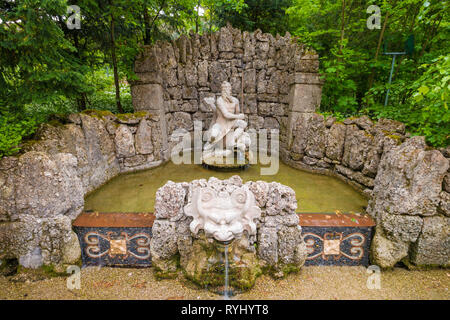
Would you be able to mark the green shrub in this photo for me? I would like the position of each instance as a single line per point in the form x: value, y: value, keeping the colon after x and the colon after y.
x: 422, y: 104
x: 13, y: 128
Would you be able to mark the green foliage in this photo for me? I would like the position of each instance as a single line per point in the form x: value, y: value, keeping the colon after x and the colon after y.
x: 356, y: 72
x: 425, y: 109
x: 13, y: 129
x: 46, y: 68
x: 36, y: 59
x: 103, y: 97
x: 266, y: 15
x: 340, y: 87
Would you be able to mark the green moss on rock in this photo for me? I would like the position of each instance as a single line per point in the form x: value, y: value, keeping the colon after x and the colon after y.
x: 97, y: 113
x: 135, y: 115
x: 206, y: 264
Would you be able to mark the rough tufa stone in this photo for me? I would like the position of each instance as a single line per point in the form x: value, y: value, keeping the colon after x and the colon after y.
x: 144, y: 138
x: 124, y: 142
x: 409, y: 180
x: 433, y: 246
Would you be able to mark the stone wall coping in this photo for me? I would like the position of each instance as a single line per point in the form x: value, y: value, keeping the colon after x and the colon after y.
x: 306, y: 78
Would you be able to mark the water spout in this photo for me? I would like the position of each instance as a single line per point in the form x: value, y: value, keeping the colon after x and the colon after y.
x: 225, y: 293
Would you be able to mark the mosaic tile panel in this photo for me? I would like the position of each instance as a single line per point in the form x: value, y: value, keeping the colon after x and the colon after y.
x: 115, y: 246
x: 114, y: 239
x: 342, y: 240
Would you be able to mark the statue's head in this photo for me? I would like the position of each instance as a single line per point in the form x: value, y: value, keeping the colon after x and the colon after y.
x: 226, y: 88
x: 223, y: 215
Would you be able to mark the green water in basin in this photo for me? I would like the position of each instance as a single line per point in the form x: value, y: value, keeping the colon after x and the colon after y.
x: 135, y: 192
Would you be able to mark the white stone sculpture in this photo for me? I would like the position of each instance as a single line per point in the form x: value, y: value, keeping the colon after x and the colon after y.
x: 227, y: 126
x: 222, y: 215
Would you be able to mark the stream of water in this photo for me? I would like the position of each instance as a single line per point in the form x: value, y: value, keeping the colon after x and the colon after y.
x: 226, y: 295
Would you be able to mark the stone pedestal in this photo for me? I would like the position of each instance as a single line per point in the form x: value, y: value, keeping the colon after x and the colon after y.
x: 149, y: 97
x: 304, y: 98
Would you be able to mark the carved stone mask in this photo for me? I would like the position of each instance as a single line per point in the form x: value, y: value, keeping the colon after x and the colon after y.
x: 222, y: 215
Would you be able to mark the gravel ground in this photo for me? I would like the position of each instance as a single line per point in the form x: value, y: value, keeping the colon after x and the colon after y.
x: 310, y: 283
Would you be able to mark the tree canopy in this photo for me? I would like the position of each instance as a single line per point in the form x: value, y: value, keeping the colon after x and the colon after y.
x: 47, y: 68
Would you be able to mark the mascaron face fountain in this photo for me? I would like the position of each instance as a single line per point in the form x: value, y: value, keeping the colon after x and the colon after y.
x: 222, y: 215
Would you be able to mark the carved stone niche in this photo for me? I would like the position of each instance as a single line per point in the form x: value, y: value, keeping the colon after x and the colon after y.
x: 254, y: 223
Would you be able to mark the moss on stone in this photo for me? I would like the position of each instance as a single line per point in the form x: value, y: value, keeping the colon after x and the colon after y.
x: 135, y: 115
x: 206, y: 265
x: 163, y: 268
x: 397, y: 138
x: 44, y: 272
x: 29, y: 143
x: 97, y: 113
x: 55, y: 123
x: 280, y: 270
x: 161, y: 274
x: 8, y: 267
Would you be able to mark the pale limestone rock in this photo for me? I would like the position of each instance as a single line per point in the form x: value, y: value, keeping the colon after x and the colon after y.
x: 143, y: 138
x: 446, y: 184
x: 401, y: 227
x: 278, y: 235
x: 47, y: 185
x: 409, y: 180
x: 433, y: 246
x: 281, y: 200
x: 444, y: 204
x: 169, y: 202
x: 124, y: 142
x: 357, y: 143
x: 71, y: 250
x: 335, y: 141
x: 386, y: 253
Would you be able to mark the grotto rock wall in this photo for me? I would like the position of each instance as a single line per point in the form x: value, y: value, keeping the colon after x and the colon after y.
x: 407, y: 182
x: 411, y: 205
x: 350, y: 149
x: 269, y: 75
x: 42, y: 190
x: 278, y: 244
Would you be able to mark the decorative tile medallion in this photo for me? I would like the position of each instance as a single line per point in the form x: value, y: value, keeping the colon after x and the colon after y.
x: 332, y: 239
x: 114, y: 239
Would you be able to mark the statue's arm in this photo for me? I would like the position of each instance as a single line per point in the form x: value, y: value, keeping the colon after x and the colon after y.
x: 210, y: 102
x: 238, y: 109
x: 228, y: 114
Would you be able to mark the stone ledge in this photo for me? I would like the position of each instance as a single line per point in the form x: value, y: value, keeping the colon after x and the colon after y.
x: 305, y: 78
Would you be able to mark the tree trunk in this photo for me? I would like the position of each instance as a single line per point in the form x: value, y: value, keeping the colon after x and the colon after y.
x: 342, y: 26
x: 380, y: 40
x: 114, y: 61
x: 146, y: 26
x: 197, y: 18
x: 81, y: 100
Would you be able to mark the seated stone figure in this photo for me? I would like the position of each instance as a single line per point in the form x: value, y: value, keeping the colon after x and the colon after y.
x: 227, y: 127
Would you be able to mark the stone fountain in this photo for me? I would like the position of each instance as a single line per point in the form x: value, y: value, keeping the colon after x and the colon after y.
x: 255, y: 223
